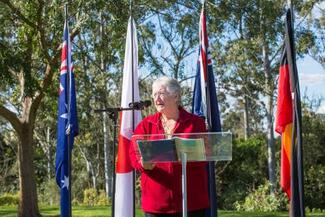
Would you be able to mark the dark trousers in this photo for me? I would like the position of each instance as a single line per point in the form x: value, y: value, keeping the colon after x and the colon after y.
x: 197, y: 213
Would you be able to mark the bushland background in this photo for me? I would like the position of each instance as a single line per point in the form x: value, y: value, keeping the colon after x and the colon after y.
x: 245, y: 36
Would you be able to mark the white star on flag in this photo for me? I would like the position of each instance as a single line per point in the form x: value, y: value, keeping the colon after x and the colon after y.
x: 65, y: 115
x: 65, y: 182
x: 61, y: 88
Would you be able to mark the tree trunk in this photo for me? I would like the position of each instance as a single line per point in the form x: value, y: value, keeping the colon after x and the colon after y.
x: 270, y: 134
x: 90, y: 170
x: 49, y: 160
x: 49, y: 154
x: 28, y: 206
x: 103, y: 64
x: 270, y: 144
x: 246, y: 117
x: 106, y: 154
x: 93, y: 176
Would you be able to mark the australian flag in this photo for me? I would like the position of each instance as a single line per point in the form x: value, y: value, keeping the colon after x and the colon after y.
x: 67, y: 124
x: 205, y: 103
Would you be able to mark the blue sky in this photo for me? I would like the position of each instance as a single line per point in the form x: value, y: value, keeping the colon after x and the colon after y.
x: 311, y: 73
x: 312, y: 79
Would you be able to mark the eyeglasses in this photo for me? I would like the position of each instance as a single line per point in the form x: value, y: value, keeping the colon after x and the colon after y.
x: 159, y: 94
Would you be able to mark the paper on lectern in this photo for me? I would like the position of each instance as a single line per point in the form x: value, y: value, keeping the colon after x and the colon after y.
x: 169, y: 150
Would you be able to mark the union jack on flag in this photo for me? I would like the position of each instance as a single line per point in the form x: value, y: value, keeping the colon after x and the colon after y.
x: 204, y: 96
x: 67, y: 124
x: 205, y: 102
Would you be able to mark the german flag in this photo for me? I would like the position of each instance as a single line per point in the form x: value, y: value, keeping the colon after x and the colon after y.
x: 284, y: 123
x: 288, y: 124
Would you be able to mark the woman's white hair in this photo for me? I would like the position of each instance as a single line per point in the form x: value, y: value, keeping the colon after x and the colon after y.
x: 171, y: 84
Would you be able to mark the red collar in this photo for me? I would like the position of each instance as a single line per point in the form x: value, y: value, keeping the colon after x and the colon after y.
x: 183, y: 116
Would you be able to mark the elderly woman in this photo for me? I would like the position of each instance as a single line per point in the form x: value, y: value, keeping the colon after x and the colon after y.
x: 161, y: 187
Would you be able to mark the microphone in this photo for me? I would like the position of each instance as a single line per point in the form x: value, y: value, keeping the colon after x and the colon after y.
x: 140, y: 105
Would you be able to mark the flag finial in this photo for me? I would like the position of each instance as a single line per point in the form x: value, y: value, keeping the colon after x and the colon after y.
x: 289, y: 3
x: 130, y: 3
x: 66, y: 10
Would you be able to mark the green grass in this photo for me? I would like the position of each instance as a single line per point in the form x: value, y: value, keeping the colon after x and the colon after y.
x: 77, y: 211
x: 105, y: 211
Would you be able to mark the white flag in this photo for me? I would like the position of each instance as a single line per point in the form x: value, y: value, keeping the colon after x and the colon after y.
x: 130, y: 89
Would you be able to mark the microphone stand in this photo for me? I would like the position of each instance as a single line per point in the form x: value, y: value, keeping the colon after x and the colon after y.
x: 113, y: 115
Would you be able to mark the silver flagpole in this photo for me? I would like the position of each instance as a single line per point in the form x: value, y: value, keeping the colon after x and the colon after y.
x: 133, y: 119
x: 184, y: 185
x: 69, y: 105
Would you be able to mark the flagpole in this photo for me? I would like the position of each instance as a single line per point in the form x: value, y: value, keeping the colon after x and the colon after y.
x: 133, y: 119
x: 297, y: 198
x: 297, y: 123
x: 211, y: 165
x: 113, y: 115
x: 289, y: 6
x: 68, y: 108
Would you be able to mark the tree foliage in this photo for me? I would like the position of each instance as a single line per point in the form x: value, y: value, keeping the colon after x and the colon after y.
x: 243, y: 173
x: 314, y: 158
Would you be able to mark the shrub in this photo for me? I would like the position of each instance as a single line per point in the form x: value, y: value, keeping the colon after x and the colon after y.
x: 49, y: 193
x: 76, y: 202
x: 261, y: 200
x: 102, y: 198
x: 315, y: 186
x: 247, y: 169
x: 8, y: 199
x: 90, y: 196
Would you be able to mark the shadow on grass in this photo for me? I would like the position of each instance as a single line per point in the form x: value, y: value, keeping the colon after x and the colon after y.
x: 251, y: 214
x: 8, y: 211
x: 105, y: 211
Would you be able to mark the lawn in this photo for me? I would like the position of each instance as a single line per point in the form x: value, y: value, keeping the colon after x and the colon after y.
x: 105, y: 211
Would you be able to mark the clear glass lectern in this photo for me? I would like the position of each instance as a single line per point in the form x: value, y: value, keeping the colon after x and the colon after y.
x: 183, y: 147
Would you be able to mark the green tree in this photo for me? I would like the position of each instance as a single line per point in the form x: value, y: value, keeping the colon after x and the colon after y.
x: 248, y: 59
x: 172, y: 39
x: 30, y: 36
x: 8, y: 151
x: 313, y: 132
x: 245, y: 172
x: 311, y: 39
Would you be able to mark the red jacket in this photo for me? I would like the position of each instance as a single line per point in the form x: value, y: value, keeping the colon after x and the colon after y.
x: 162, y: 187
